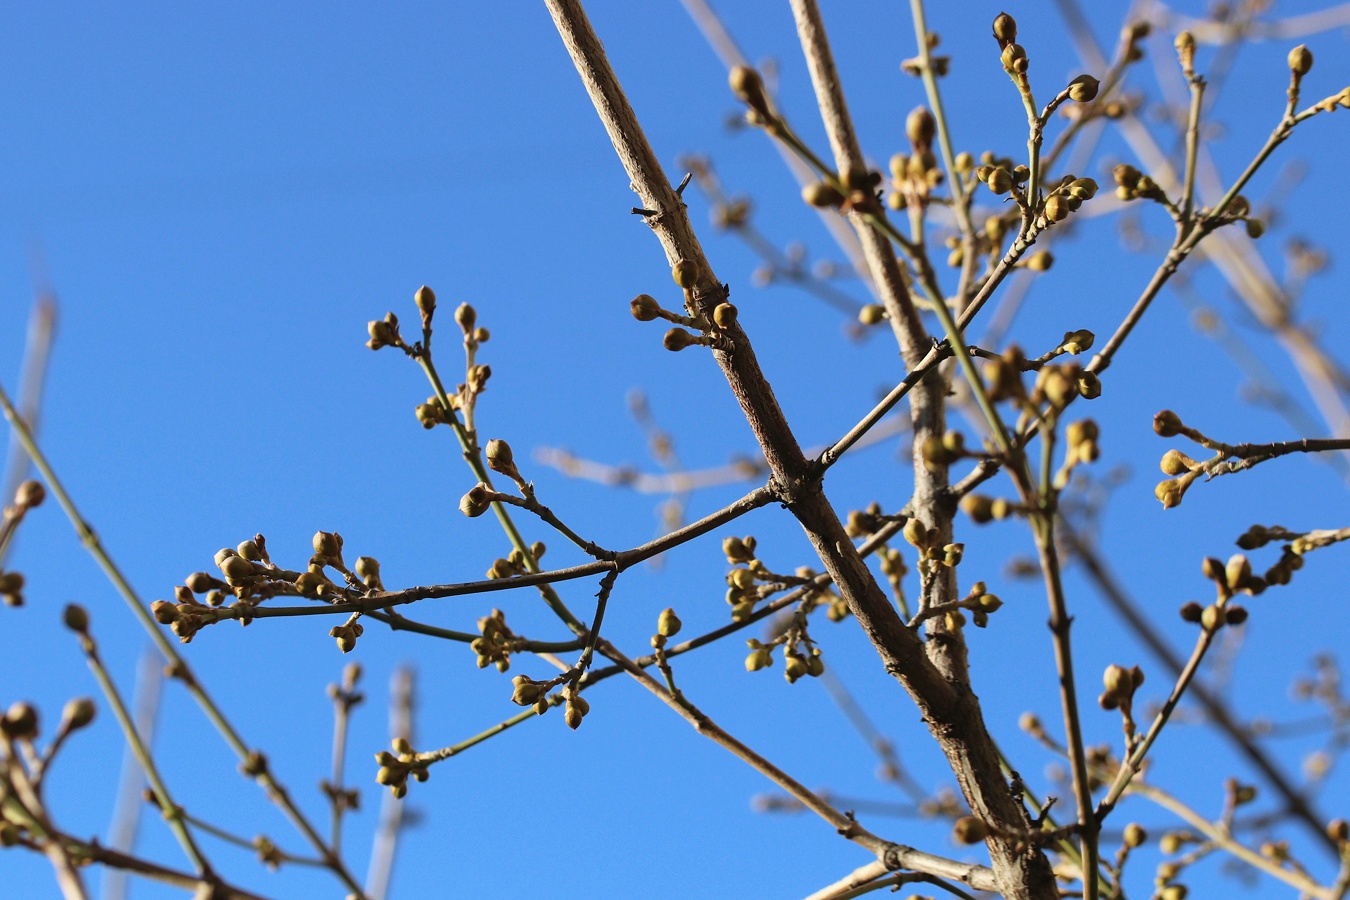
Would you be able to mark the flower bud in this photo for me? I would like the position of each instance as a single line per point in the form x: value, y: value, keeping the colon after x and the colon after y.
x: 78, y: 713
x: 1135, y: 835
x: 20, y: 722
x: 1174, y: 462
x: 475, y: 502
x: 466, y: 317
x: 75, y: 618
x: 1000, y: 181
x: 872, y: 314
x: 645, y: 308
x: 822, y: 195
x: 500, y: 458
x: 668, y: 624
x: 677, y: 339
x: 1300, y: 60
x: 969, y: 830
x: 749, y: 88
x: 1057, y: 208
x: 1083, y: 89
x: 920, y: 127
x: 326, y: 543
x: 1005, y: 29
x: 1167, y: 424
x: 425, y: 298
x: 685, y: 273
x: 30, y: 494
x: 724, y: 315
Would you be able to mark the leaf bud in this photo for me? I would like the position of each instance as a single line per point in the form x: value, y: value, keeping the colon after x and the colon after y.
x: 1300, y: 60
x: 475, y: 502
x: 668, y: 624
x: 645, y: 308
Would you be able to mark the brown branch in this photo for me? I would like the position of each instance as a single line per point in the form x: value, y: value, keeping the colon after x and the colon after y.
x: 951, y: 711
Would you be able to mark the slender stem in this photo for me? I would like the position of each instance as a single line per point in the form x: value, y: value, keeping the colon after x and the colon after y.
x: 893, y: 855
x: 1197, y: 86
x: 960, y: 203
x: 474, y: 458
x: 1060, y: 624
x: 274, y: 789
x: 173, y: 814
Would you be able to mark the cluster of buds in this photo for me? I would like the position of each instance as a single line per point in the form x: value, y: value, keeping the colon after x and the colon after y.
x: 1000, y: 179
x: 576, y: 707
x: 466, y: 317
x: 185, y: 617
x: 914, y: 175
x: 892, y: 566
x: 760, y: 656
x: 739, y: 549
x: 931, y: 552
x: 742, y: 592
x: 496, y: 643
x: 1120, y: 684
x: 852, y: 189
x: 1081, y: 437
x: 796, y: 665
x: 940, y: 451
x: 525, y: 691
x: 347, y: 633
x: 1056, y: 385
x: 29, y: 495
x: 981, y: 604
x: 1013, y: 57
x: 1067, y: 197
x: 938, y: 65
x: 982, y: 508
x: 1229, y: 579
x: 864, y: 522
x: 515, y: 562
x: 432, y: 413
x: 368, y: 570
x: 384, y: 333
x: 395, y: 767
x: 667, y: 626
x: 1131, y: 184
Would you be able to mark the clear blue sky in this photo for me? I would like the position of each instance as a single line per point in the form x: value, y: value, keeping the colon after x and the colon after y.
x: 223, y: 195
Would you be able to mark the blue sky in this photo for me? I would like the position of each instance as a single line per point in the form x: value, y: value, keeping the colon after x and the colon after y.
x: 222, y: 196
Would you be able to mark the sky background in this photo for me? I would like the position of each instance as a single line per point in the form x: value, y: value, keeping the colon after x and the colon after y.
x: 221, y: 196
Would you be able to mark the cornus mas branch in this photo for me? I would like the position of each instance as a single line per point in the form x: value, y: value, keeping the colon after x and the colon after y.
x: 949, y: 708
